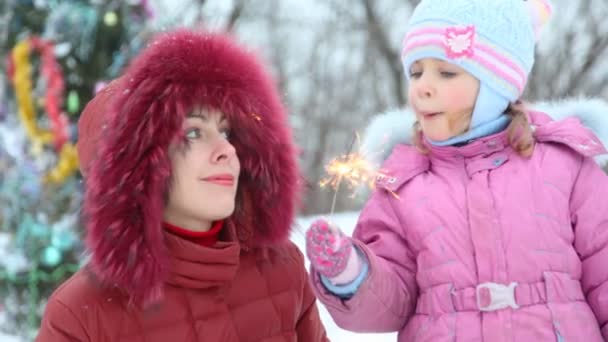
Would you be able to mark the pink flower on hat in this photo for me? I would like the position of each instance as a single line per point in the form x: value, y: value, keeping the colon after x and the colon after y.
x: 459, y: 41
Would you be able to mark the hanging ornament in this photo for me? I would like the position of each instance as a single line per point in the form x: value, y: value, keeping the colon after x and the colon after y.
x: 20, y: 71
x: 99, y: 85
x: 63, y: 240
x: 23, y: 90
x: 51, y: 256
x: 110, y: 18
x: 67, y: 165
x: 21, y: 75
x: 73, y: 102
x: 63, y: 49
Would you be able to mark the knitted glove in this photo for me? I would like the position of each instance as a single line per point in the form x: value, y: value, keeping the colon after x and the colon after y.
x: 330, y: 251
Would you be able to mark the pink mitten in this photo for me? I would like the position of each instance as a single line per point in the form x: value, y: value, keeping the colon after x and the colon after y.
x: 331, y: 253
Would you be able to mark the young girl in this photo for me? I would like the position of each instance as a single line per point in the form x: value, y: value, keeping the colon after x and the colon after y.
x: 492, y: 223
x: 191, y: 187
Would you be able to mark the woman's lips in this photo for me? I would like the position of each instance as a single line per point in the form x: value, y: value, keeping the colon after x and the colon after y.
x: 222, y: 179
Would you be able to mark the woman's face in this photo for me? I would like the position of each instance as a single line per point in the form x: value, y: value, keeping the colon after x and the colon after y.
x: 205, y: 173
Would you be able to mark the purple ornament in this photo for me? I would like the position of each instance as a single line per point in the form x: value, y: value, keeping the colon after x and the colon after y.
x: 99, y: 85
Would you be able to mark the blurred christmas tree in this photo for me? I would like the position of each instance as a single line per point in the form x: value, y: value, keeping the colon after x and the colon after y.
x: 56, y: 54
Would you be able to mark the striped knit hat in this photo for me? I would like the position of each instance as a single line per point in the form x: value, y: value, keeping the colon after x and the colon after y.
x: 491, y: 39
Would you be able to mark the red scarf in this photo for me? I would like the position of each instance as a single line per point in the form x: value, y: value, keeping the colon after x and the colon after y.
x: 207, y: 239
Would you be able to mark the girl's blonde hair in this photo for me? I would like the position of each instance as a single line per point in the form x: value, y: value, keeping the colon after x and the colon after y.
x: 519, y: 132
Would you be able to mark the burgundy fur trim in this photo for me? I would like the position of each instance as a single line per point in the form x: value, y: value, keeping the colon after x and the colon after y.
x: 127, y: 179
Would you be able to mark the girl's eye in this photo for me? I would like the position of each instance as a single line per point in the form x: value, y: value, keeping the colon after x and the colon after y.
x: 193, y: 133
x: 448, y: 74
x: 415, y: 74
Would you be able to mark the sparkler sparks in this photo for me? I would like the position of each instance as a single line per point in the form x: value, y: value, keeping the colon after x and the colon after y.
x: 356, y: 169
x: 353, y: 168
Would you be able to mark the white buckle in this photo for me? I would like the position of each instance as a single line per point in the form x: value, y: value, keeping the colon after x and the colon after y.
x: 501, y: 296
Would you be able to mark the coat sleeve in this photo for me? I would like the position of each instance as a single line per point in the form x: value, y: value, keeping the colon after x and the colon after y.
x: 386, y: 299
x: 309, y: 326
x: 589, y: 212
x: 60, y: 324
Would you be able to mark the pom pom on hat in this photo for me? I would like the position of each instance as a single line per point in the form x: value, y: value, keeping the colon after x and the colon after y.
x: 541, y: 11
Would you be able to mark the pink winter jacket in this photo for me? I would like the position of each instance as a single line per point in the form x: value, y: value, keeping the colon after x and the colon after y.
x: 441, y: 225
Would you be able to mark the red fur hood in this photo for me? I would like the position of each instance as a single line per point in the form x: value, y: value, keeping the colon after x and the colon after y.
x: 125, y: 132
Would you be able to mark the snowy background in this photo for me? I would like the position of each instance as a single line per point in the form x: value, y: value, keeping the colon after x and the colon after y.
x: 335, y: 61
x: 346, y: 221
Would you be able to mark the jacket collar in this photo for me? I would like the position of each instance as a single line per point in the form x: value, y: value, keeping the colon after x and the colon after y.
x: 198, y: 267
x: 393, y: 128
x: 485, y: 153
x: 480, y: 147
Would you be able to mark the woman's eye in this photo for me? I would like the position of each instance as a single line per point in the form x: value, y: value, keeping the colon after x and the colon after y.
x: 193, y: 133
x: 225, y: 133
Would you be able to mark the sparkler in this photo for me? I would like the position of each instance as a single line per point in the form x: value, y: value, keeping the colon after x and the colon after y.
x: 352, y: 168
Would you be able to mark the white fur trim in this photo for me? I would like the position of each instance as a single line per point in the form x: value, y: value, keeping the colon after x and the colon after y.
x: 386, y: 130
x: 593, y: 114
x: 394, y: 127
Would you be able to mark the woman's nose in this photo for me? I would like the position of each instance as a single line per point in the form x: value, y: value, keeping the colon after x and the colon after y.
x: 223, y: 151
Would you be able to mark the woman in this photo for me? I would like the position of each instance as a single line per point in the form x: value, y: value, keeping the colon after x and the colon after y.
x: 191, y: 187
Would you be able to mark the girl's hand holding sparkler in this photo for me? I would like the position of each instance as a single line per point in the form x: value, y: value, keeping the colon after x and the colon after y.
x: 331, y: 253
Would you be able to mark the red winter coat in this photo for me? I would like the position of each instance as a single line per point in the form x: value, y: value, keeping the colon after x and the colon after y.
x: 143, y: 284
x: 212, y: 294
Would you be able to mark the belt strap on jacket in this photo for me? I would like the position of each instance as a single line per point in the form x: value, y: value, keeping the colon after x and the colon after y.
x: 493, y: 296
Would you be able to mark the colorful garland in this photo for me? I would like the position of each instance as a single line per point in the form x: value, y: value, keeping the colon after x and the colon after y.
x: 20, y: 70
x: 68, y: 163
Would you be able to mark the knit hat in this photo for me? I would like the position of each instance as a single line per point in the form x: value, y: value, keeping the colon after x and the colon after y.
x: 124, y: 137
x: 491, y: 39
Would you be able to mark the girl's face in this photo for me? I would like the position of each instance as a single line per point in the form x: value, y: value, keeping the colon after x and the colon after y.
x: 443, y: 97
x: 205, y: 173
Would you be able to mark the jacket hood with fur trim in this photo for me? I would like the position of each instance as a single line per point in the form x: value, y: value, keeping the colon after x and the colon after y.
x: 393, y: 127
x: 125, y: 132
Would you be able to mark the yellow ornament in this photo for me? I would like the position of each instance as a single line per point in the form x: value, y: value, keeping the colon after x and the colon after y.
x: 23, y: 91
x: 110, y: 18
x: 68, y: 159
x: 67, y: 165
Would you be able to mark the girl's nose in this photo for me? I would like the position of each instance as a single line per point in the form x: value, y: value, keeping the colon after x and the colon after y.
x: 424, y: 88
